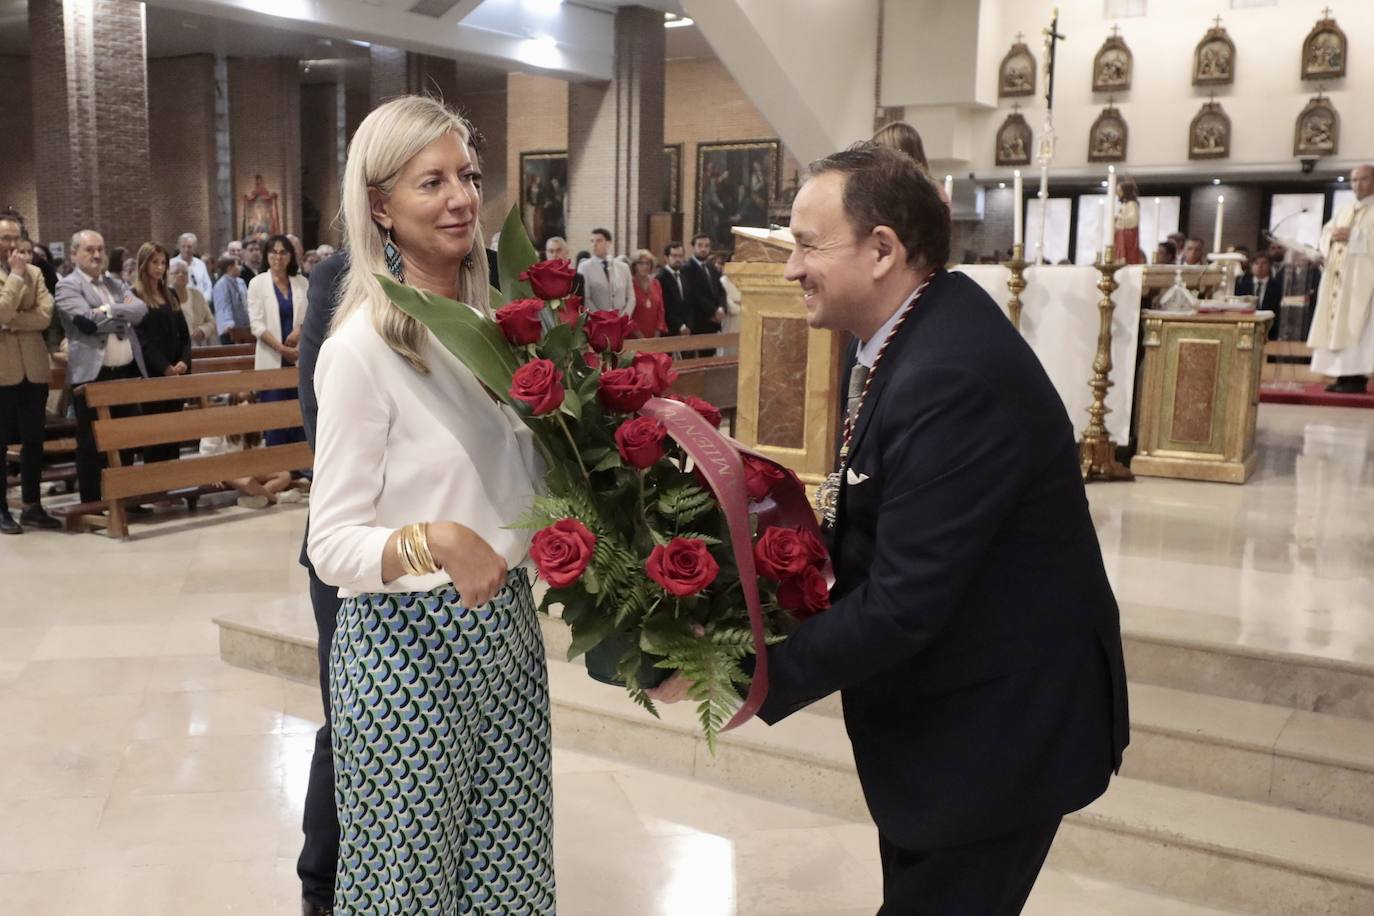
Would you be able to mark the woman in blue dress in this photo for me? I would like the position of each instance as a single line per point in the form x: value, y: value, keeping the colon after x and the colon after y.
x: 437, y: 675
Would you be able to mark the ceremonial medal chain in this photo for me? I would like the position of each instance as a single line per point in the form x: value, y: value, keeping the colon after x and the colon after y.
x: 827, y: 495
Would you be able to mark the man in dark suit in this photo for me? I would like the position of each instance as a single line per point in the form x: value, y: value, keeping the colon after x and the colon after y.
x: 973, y: 634
x: 675, y: 312
x: 1260, y: 282
x: 318, y: 862
x: 703, y: 296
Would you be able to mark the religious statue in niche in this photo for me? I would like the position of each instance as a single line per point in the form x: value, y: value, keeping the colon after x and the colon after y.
x: 1113, y: 64
x: 1214, y: 61
x: 1318, y: 131
x: 1017, y: 74
x: 1323, y: 53
x: 1209, y: 136
x: 1014, y: 141
x: 261, y: 217
x: 1107, y: 138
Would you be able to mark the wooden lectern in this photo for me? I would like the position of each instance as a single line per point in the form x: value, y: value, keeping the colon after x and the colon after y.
x: 789, y: 395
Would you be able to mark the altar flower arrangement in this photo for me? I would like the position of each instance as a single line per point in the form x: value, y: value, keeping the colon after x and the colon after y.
x: 667, y: 545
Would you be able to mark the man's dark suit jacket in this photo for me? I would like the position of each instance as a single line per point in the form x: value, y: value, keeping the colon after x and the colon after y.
x: 1273, y: 298
x: 675, y: 312
x: 326, y: 283
x: 703, y: 295
x: 974, y: 635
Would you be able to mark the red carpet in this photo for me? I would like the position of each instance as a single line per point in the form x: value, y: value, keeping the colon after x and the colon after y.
x: 1313, y: 393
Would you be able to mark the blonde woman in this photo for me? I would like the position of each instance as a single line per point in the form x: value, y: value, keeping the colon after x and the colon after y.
x: 438, y: 685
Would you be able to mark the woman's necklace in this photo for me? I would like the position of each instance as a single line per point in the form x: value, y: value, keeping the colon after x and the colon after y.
x: 827, y: 498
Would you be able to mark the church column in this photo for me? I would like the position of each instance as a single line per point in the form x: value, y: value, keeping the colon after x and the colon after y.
x: 90, y: 118
x: 615, y: 137
x: 387, y: 75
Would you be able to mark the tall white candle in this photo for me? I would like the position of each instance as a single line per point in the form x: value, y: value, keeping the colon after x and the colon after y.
x: 1017, y: 229
x: 1109, y: 215
x: 1044, y: 196
x: 1216, y: 234
x: 949, y: 187
x: 1159, y: 232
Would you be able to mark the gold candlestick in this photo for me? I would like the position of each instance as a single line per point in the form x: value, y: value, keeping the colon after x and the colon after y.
x: 1096, y: 450
x: 1016, y: 283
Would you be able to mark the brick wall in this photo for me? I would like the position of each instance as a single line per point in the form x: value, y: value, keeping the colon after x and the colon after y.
x: 265, y: 133
x: 537, y: 119
x: 320, y: 176
x: 1240, y: 224
x: 487, y: 113
x: 704, y: 104
x: 181, y: 149
x: 991, y: 234
x: 17, y: 189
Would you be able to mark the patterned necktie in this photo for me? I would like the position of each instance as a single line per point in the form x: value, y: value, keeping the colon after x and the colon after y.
x: 857, y: 377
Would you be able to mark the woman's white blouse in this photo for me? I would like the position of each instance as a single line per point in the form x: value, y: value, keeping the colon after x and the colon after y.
x: 394, y: 447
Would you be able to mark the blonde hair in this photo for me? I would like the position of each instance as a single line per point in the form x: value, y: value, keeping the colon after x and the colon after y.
x: 143, y: 284
x: 387, y: 139
x: 900, y: 135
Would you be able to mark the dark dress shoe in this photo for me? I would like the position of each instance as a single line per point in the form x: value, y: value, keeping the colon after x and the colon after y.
x: 312, y: 909
x: 1350, y: 384
x: 37, y: 517
x: 8, y: 525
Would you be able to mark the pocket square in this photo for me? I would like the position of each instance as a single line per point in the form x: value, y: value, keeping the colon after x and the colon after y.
x: 853, y: 479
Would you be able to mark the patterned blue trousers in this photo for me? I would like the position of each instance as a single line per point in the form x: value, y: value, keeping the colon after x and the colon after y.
x: 441, y: 755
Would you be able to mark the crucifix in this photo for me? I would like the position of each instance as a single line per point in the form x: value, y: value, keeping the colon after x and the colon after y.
x: 1052, y: 39
x: 1045, y: 150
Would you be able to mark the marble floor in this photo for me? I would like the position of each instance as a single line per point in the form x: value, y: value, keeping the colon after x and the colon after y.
x: 140, y: 774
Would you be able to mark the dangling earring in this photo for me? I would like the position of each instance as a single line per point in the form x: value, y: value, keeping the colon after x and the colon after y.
x: 393, y: 258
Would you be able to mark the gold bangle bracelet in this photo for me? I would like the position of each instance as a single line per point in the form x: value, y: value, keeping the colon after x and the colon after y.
x: 414, y: 548
x: 407, y: 548
x: 426, y: 557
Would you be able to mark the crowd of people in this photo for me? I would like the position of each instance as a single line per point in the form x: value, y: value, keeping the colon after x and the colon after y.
x: 134, y: 313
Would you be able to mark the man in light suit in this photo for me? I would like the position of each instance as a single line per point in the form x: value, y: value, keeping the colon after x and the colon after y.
x: 605, y: 280
x: 99, y: 314
x: 198, y: 274
x: 25, y: 312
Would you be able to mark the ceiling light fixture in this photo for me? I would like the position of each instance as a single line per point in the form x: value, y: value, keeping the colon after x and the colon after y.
x: 677, y: 22
x: 1216, y: 181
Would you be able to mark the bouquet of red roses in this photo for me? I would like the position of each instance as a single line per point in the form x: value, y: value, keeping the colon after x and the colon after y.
x: 668, y: 546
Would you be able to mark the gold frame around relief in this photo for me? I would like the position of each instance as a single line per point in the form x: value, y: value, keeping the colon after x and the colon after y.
x: 1318, y: 105
x: 1113, y: 42
x: 1019, y: 51
x: 1217, y: 35
x: 1324, y: 26
x: 1211, y: 109
x: 1110, y: 115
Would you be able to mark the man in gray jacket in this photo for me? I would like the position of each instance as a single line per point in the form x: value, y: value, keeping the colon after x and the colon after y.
x: 99, y: 314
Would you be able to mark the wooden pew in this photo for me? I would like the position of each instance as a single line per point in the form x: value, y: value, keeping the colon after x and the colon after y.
x: 221, y: 351
x: 679, y: 344
x: 188, y: 475
x: 714, y: 378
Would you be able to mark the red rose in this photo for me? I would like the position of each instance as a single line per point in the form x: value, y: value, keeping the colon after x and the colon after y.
x: 780, y: 554
x: 814, y: 546
x: 520, y: 322
x: 562, y: 551
x: 623, y: 390
x: 683, y: 566
x: 592, y: 359
x: 550, y: 279
x: 640, y: 441
x: 607, y: 331
x: 539, y: 384
x: 657, y: 371
x: 805, y: 595
x: 570, y: 310
x: 705, y: 408
x: 760, y: 477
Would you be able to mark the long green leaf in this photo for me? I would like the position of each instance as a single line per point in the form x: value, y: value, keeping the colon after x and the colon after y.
x: 514, y: 254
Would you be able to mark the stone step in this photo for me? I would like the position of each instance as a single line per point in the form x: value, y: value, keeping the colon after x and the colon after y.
x: 1216, y: 851
x: 1310, y: 762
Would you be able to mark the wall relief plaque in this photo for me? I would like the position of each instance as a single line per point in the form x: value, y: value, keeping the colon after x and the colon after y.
x: 1318, y: 131
x: 1108, y: 136
x: 1214, y: 60
x: 1014, y: 140
x: 1209, y: 136
x: 1113, y: 64
x: 1323, y: 53
x: 1016, y: 77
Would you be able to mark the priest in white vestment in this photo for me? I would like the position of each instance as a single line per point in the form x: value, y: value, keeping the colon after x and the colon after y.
x: 1342, y: 335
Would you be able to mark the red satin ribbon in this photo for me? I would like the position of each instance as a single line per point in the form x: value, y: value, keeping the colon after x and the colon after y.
x: 718, y: 458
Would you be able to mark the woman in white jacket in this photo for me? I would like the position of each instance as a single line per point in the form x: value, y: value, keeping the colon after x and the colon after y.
x: 276, y: 313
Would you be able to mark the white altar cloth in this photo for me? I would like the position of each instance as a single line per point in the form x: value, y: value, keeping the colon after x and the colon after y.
x: 1059, y: 320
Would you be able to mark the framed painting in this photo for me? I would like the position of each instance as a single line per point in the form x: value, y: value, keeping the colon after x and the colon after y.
x: 736, y: 184
x: 1209, y: 136
x: 1324, y: 51
x: 1318, y: 131
x: 544, y: 195
x: 1014, y: 141
x: 261, y: 216
x: 672, y: 179
x: 1108, y: 136
x: 1214, y: 58
x: 1113, y: 64
x: 1016, y: 76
